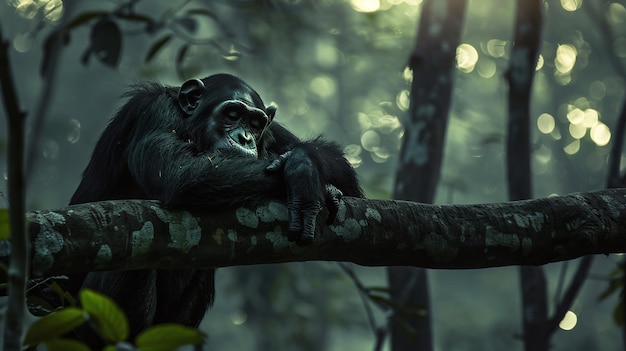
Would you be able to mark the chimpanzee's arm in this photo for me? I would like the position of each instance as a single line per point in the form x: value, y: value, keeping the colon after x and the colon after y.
x: 314, y: 173
x: 172, y: 171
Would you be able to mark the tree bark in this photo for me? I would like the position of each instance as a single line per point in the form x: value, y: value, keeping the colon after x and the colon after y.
x: 135, y: 234
x: 527, y: 34
x: 432, y: 63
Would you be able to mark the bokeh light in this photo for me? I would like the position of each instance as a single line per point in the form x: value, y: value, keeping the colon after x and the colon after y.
x: 73, y: 134
x: 577, y: 131
x: 540, y: 63
x: 364, y: 121
x: 239, y: 317
x: 370, y: 140
x: 573, y: 147
x: 365, y: 5
x: 51, y: 149
x: 23, y: 42
x: 543, y: 154
x: 565, y: 58
x: 52, y: 10
x: 466, y: 58
x: 616, y: 13
x: 323, y: 86
x: 408, y: 2
x: 582, y: 102
x: 387, y: 124
x: 562, y: 78
x: 569, y: 321
x: 352, y: 153
x: 326, y: 54
x: 597, y: 90
x: 496, y: 47
x: 380, y: 155
x: 486, y: 68
x: 591, y: 118
x: 402, y: 100
x: 407, y: 74
x: 545, y: 123
x: 576, y: 116
x: 571, y: 5
x: 600, y: 134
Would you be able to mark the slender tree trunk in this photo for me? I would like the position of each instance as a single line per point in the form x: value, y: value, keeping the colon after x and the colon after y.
x: 18, y: 268
x: 432, y: 63
x: 528, y: 24
x: 614, y: 179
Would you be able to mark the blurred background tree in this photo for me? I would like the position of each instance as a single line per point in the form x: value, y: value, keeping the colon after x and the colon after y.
x: 338, y: 68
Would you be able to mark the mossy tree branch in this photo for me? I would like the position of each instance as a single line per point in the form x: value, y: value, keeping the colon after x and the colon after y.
x: 133, y: 234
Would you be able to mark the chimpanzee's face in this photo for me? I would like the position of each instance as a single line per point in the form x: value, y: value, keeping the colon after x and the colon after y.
x: 231, y: 120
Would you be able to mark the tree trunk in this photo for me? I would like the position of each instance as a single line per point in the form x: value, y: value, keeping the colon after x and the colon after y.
x: 528, y: 25
x: 432, y: 63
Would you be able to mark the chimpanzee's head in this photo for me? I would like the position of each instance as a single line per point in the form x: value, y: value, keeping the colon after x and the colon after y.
x: 225, y: 114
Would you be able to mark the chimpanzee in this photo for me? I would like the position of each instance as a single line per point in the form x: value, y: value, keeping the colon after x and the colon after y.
x: 209, y: 144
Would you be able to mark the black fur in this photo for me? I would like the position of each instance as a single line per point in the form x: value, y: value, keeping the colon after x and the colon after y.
x: 152, y: 150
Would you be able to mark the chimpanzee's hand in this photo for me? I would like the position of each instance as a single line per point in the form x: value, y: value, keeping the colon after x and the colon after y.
x: 305, y: 194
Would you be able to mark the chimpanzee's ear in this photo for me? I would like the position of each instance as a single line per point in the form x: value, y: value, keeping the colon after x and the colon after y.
x: 271, y: 111
x: 189, y: 94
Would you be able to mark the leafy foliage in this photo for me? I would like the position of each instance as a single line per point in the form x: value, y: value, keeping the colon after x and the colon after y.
x: 110, y: 322
x: 168, y: 337
x: 106, y: 38
x: 106, y: 42
x: 54, y: 325
x: 106, y: 317
x: 63, y: 344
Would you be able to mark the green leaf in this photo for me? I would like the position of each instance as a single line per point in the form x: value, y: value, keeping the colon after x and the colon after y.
x: 165, y: 337
x: 106, y: 42
x: 156, y: 47
x: 66, y: 344
x: 64, y: 295
x: 108, y: 318
x: 54, y: 325
x: 5, y: 229
x: 38, y: 306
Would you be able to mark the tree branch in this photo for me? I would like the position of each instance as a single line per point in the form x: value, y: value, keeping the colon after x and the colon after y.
x: 134, y: 234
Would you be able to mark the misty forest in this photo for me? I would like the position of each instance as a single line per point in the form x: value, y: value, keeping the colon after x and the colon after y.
x: 487, y: 136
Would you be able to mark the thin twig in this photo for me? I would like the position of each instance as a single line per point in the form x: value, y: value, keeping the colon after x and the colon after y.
x: 572, y: 291
x: 362, y: 290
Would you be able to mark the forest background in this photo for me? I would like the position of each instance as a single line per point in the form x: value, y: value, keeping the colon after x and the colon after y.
x: 338, y: 68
